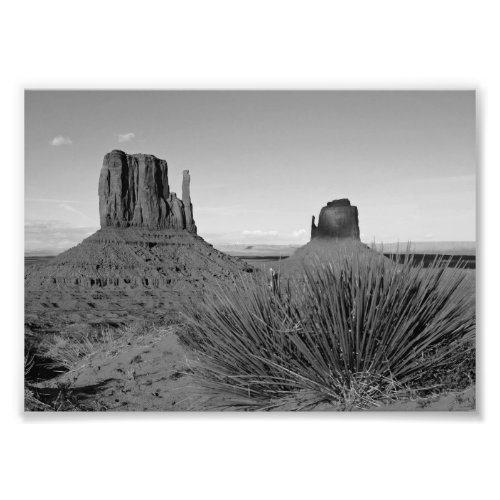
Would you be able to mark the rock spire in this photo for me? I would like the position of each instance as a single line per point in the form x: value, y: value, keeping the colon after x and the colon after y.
x: 186, y: 200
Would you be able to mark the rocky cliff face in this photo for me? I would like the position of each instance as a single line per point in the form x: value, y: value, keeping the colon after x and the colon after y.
x: 134, y: 192
x: 144, y: 262
x: 337, y: 220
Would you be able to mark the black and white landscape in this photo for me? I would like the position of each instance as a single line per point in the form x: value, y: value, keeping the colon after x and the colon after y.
x: 319, y: 254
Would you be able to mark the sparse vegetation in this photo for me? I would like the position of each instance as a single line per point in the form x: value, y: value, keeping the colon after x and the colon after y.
x: 352, y: 333
x: 70, y: 354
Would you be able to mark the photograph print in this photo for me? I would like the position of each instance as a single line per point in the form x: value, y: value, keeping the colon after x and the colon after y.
x: 250, y: 250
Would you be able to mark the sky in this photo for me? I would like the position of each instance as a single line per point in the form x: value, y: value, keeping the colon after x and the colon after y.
x: 261, y: 162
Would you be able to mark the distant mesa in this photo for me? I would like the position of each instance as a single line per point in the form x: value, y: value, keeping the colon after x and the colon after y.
x: 338, y: 220
x: 134, y: 192
x: 335, y: 237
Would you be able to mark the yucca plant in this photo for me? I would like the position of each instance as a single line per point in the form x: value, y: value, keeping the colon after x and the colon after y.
x: 352, y: 332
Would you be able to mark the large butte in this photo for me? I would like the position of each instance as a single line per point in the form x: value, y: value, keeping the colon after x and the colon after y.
x: 148, y: 237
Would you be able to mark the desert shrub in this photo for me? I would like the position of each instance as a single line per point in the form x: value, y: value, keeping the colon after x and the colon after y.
x: 351, y: 333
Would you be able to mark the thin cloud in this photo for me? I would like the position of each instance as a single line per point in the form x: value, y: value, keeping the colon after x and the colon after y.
x: 230, y: 210
x: 454, y: 178
x: 126, y: 137
x: 52, y: 200
x: 252, y: 237
x: 53, y: 236
x: 61, y: 141
x: 299, y: 233
x: 259, y: 232
x: 69, y: 208
x: 451, y: 179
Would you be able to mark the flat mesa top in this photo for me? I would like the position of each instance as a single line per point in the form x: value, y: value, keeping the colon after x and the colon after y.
x: 343, y: 202
x: 120, y: 152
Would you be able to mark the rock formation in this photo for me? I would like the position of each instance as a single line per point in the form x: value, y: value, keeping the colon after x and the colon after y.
x: 144, y: 261
x: 186, y: 200
x: 337, y: 220
x: 147, y: 238
x: 136, y: 258
x: 134, y: 192
x: 335, y: 237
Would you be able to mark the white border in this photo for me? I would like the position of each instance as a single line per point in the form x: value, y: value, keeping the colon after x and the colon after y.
x: 258, y: 44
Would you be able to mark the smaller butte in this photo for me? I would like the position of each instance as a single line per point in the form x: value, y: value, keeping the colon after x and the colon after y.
x: 335, y: 237
x: 338, y: 220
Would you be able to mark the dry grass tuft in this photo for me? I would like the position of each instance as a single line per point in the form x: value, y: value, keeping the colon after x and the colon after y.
x: 353, y: 333
x: 72, y: 353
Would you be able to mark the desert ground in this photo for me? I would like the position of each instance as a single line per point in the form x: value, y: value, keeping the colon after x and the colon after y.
x: 120, y: 350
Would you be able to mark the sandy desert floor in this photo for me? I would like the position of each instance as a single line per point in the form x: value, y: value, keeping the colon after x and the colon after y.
x: 153, y: 372
x: 144, y: 368
x: 149, y: 372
